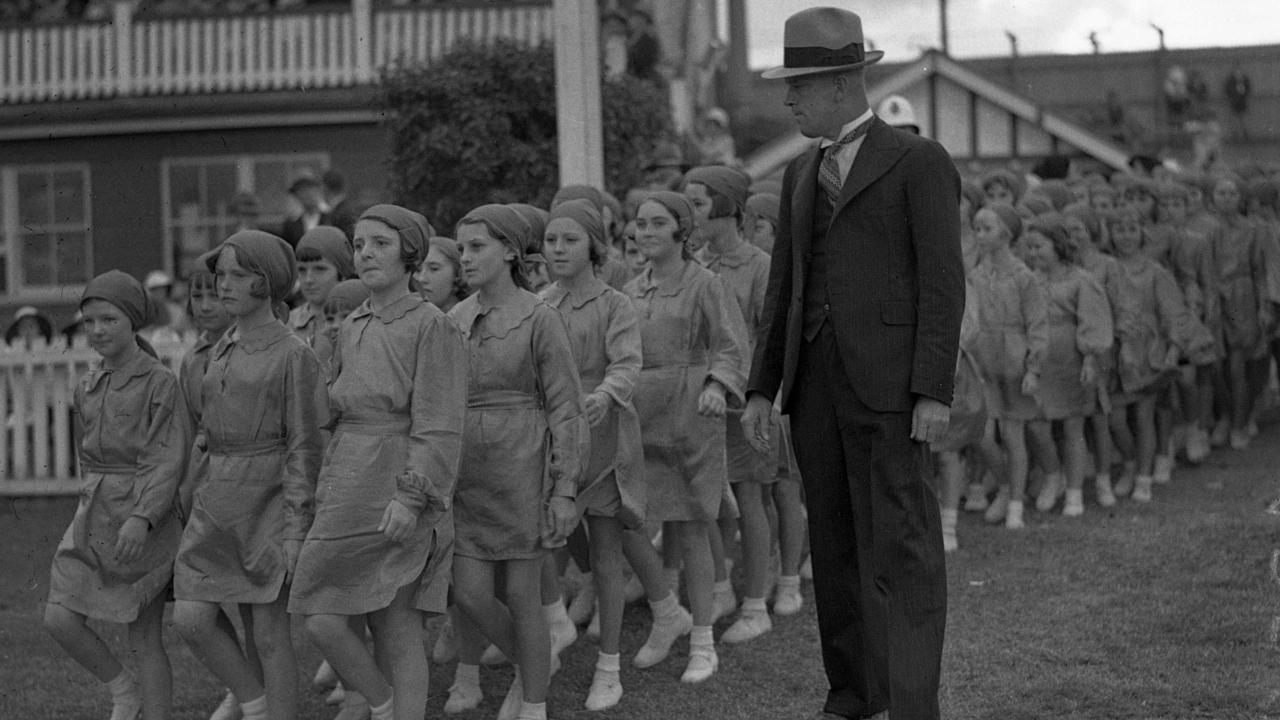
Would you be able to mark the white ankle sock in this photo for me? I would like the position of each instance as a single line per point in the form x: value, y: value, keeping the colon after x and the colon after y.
x: 666, y: 607
x: 532, y: 711
x: 385, y: 711
x: 754, y: 605
x: 122, y: 684
x: 701, y: 635
x: 788, y: 581
x: 467, y: 675
x: 255, y: 709
x: 722, y: 586
x: 609, y: 663
x: 555, y: 612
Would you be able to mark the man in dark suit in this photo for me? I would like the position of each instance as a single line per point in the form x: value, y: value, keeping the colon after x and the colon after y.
x: 866, y: 292
x: 306, y: 189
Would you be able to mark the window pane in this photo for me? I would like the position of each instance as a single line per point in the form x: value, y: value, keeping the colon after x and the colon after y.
x: 33, y: 198
x: 69, y: 197
x: 184, y: 188
x: 271, y: 185
x: 220, y: 188
x: 37, y: 265
x: 71, y: 254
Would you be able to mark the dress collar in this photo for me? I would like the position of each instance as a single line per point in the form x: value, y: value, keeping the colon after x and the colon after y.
x: 593, y: 288
x: 256, y: 340
x: 392, y: 311
x: 671, y: 285
x: 500, y: 320
x: 139, y: 365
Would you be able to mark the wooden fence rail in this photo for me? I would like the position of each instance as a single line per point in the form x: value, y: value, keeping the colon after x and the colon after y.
x: 37, y: 443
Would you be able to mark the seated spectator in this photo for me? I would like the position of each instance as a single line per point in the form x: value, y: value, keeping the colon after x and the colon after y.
x: 28, y: 325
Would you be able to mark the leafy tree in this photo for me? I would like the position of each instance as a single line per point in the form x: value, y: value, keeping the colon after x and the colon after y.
x: 479, y: 125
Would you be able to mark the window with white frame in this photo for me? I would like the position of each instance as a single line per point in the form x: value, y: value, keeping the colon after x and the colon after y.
x: 198, y: 195
x: 46, y: 239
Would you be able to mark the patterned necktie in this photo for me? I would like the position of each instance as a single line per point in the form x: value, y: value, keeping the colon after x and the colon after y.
x: 829, y: 176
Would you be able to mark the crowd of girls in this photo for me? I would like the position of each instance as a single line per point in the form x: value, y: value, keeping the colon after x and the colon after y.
x: 1113, y: 328
x: 443, y: 423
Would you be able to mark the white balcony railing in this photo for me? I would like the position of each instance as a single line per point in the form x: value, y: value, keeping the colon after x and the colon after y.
x: 321, y: 48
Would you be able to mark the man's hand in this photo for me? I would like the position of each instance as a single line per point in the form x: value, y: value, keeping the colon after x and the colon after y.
x: 929, y: 420
x: 131, y: 538
x: 398, y: 522
x: 755, y: 422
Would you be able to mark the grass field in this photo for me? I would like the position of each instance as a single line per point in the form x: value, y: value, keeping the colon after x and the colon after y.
x: 1144, y: 612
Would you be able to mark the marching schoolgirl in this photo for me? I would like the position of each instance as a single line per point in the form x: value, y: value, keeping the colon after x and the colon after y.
x: 1085, y: 229
x: 116, y: 558
x: 762, y: 220
x: 1191, y: 260
x: 381, y: 540
x: 1010, y: 347
x: 718, y: 195
x: 693, y: 359
x: 263, y: 400
x: 1153, y: 328
x: 523, y: 449
x: 324, y: 260
x: 605, y: 334
x: 211, y: 319
x: 1080, y: 333
x: 1238, y: 251
x: 440, y: 276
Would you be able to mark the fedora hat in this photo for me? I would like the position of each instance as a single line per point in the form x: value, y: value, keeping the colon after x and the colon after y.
x: 822, y: 40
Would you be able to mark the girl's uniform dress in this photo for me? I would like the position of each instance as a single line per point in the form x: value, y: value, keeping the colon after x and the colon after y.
x: 263, y: 403
x: 398, y: 401
x: 1191, y: 257
x: 605, y: 336
x: 1013, y: 334
x: 691, y: 333
x: 1150, y: 317
x: 306, y: 323
x: 132, y: 454
x: 1079, y: 326
x: 1242, y: 281
x: 190, y: 378
x: 968, y: 402
x: 745, y: 273
x: 526, y: 435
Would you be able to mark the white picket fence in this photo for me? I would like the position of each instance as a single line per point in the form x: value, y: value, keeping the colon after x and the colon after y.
x: 37, y: 442
x: 312, y: 48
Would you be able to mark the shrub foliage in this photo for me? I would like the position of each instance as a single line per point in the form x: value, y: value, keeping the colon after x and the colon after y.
x: 479, y: 125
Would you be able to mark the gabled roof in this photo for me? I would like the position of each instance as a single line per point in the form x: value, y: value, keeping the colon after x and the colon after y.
x: 934, y: 64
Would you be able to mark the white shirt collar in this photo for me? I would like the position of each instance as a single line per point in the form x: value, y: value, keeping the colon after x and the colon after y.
x: 848, y: 128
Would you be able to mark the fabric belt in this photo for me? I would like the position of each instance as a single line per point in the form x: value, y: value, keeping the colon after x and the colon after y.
x: 674, y: 359
x: 386, y: 425
x: 108, y: 468
x: 504, y: 400
x: 247, y: 448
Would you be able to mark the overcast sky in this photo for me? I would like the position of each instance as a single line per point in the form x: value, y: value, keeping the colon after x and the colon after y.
x: 904, y: 28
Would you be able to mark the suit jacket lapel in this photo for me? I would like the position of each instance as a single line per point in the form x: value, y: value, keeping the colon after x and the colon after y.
x: 878, y: 153
x: 802, y: 199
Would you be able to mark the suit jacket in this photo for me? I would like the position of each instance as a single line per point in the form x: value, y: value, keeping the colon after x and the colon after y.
x: 895, y: 278
x: 292, y: 230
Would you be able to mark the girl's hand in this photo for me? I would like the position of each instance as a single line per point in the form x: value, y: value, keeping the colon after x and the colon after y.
x: 711, y: 401
x: 398, y: 522
x: 292, y: 549
x: 597, y: 407
x: 131, y: 538
x: 1089, y: 372
x: 564, y: 518
x: 1030, y: 384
